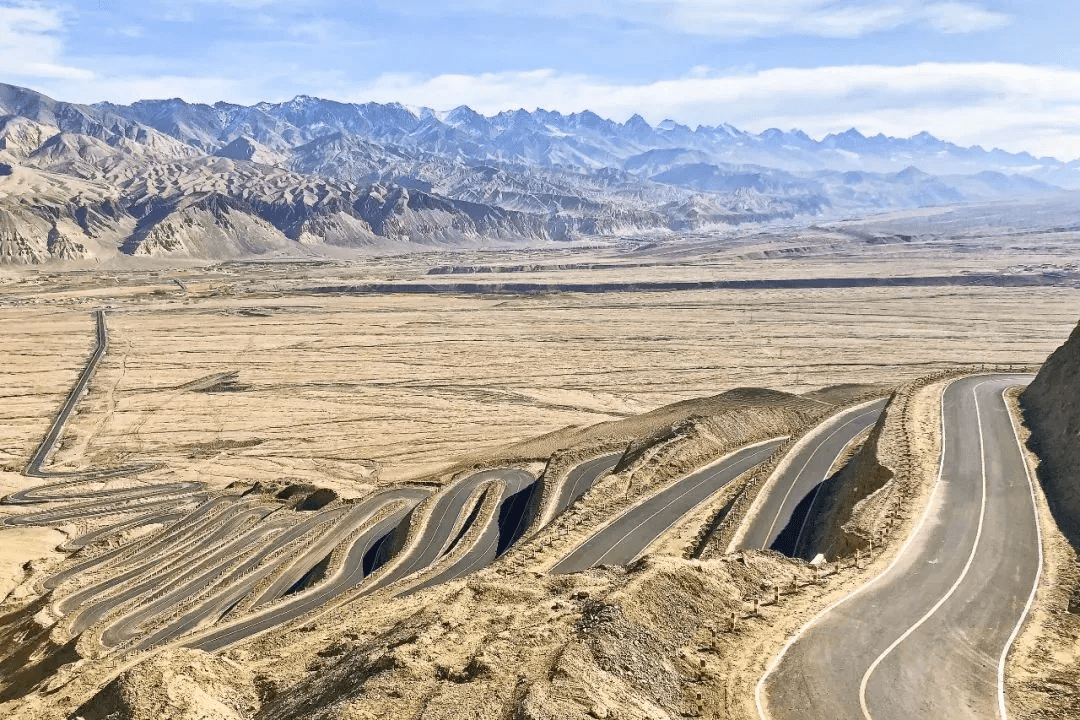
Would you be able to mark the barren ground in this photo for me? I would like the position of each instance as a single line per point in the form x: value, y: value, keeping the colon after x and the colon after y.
x: 355, y: 392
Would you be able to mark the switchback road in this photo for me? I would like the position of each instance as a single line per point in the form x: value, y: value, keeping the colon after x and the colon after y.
x: 802, y: 474
x: 632, y: 532
x: 928, y: 638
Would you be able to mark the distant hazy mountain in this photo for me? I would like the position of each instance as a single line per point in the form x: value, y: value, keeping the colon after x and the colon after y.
x: 170, y: 178
x: 581, y: 141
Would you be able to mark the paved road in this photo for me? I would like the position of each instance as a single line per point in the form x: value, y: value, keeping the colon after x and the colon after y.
x: 485, y: 548
x: 191, y: 582
x: 156, y: 551
x: 231, y: 556
x: 928, y: 638
x: 626, y: 538
x: 256, y: 569
x: 580, y: 479
x: 155, y: 575
x: 33, y: 468
x: 350, y: 575
x: 437, y: 537
x: 152, y: 518
x: 165, y: 499
x: 447, y: 524
x: 805, y: 470
x: 212, y: 554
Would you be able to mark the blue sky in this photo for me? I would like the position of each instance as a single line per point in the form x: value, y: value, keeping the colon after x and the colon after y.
x: 1001, y: 73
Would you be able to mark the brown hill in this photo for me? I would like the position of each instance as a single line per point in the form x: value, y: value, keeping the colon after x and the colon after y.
x: 1052, y: 410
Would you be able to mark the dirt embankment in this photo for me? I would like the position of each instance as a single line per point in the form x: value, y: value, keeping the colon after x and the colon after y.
x: 835, y: 528
x: 1051, y: 406
x: 1043, y: 672
x: 642, y: 643
x: 859, y: 502
x: 659, y: 446
x: 1044, y: 669
x: 183, y: 684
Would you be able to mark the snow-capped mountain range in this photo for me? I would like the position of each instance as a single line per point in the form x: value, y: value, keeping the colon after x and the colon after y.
x: 167, y: 177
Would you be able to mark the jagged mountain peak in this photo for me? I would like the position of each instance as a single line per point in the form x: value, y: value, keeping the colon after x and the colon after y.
x: 463, y: 114
x: 583, y: 140
x: 295, y: 171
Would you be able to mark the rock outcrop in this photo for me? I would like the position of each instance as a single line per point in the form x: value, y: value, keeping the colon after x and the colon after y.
x: 1051, y: 407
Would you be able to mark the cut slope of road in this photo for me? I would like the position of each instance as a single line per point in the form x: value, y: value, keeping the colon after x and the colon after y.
x: 929, y: 636
x: 436, y: 536
x: 580, y: 479
x: 629, y: 535
x: 806, y: 468
x: 399, y: 503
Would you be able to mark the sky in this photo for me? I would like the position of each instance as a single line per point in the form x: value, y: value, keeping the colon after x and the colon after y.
x: 998, y: 73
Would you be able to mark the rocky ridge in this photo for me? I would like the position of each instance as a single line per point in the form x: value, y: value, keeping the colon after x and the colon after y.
x: 311, y: 176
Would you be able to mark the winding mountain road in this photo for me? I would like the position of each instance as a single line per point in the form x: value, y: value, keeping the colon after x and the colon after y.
x: 350, y: 575
x: 231, y: 567
x: 632, y: 532
x: 928, y: 638
x: 452, y: 512
x: 580, y: 479
x: 802, y: 474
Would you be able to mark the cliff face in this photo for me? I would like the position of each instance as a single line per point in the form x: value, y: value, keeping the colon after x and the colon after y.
x: 1051, y: 407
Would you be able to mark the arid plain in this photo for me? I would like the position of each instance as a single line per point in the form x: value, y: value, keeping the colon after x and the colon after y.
x: 356, y: 375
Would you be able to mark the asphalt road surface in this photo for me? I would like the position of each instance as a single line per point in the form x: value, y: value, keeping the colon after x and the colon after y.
x: 33, y: 468
x: 485, y: 548
x: 165, y: 498
x: 212, y: 554
x: 152, y: 576
x: 803, y: 474
x: 581, y: 478
x: 436, y: 536
x: 628, y: 536
x: 928, y: 638
x: 350, y: 575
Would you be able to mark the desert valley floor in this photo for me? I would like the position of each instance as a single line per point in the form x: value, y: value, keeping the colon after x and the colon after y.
x: 362, y: 375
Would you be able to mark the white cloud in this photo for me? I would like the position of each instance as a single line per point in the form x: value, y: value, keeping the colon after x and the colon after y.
x: 828, y: 18
x: 958, y: 18
x: 1017, y: 107
x: 780, y: 17
x: 29, y: 44
x: 753, y: 18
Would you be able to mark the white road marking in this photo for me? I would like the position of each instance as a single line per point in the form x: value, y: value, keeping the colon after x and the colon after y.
x: 1038, y: 573
x: 715, y: 463
x: 759, y: 690
x: 963, y: 574
x: 695, y: 486
x: 783, y: 503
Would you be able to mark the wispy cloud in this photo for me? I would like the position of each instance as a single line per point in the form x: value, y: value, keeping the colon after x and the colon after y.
x: 822, y: 17
x: 30, y: 46
x: 962, y: 18
x: 735, y: 19
x: 781, y: 17
x: 1008, y: 104
x: 1017, y: 107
